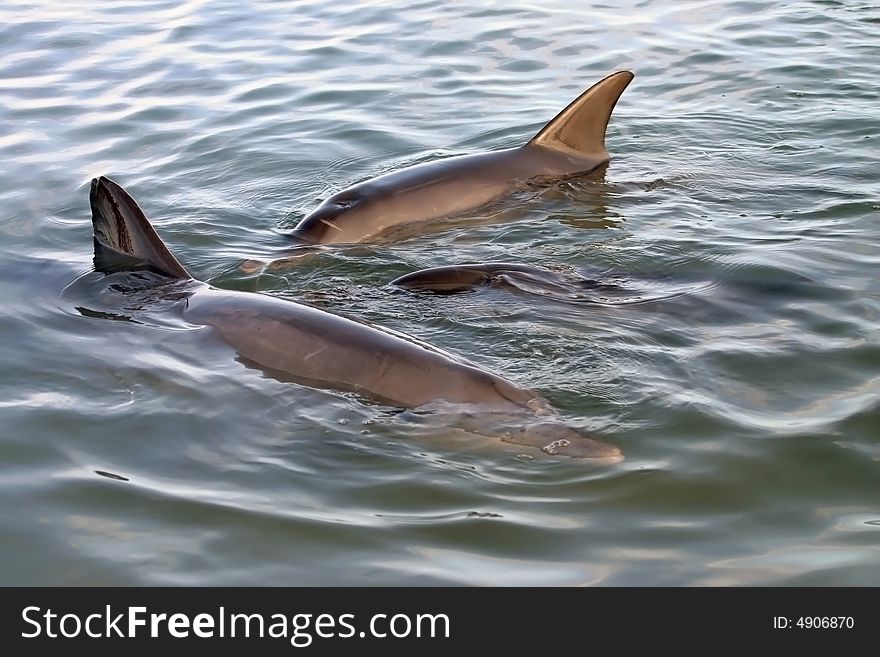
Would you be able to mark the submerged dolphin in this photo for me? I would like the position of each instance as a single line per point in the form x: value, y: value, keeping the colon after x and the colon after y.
x: 451, y: 279
x: 565, y: 286
x: 602, y: 287
x: 572, y: 143
x: 324, y: 350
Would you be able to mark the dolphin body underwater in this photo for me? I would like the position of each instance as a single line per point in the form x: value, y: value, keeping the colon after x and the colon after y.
x: 319, y: 349
x: 573, y: 143
x: 452, y: 279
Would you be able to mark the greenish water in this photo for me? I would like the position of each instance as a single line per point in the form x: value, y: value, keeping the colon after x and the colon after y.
x: 742, y: 202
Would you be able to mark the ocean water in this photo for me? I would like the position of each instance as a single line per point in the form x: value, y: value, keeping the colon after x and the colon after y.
x: 740, y: 376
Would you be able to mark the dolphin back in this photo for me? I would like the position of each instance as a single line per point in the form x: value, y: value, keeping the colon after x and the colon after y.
x: 124, y: 237
x: 580, y: 127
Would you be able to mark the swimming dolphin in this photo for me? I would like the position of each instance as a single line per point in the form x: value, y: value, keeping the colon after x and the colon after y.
x: 320, y: 349
x: 451, y: 279
x: 572, y: 143
x: 601, y: 287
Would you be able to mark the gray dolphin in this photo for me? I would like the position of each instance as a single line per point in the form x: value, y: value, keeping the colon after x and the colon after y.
x: 572, y: 143
x: 320, y: 349
x: 562, y: 285
x: 451, y: 279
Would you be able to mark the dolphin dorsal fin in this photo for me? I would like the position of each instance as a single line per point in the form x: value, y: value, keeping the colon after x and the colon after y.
x: 124, y: 235
x: 581, y: 126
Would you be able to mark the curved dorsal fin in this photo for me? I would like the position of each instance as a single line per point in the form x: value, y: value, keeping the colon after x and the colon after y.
x: 580, y: 127
x: 124, y: 235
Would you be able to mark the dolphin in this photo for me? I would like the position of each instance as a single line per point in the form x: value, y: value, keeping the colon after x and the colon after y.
x: 562, y: 285
x: 602, y: 287
x: 316, y: 348
x: 573, y: 143
x: 451, y: 279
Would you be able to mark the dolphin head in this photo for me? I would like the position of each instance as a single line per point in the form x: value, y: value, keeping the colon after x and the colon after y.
x: 320, y: 226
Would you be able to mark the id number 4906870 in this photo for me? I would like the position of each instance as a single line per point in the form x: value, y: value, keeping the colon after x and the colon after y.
x: 814, y: 623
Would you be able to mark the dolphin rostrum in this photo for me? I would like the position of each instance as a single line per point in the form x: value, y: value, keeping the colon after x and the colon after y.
x: 572, y: 143
x: 320, y: 349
